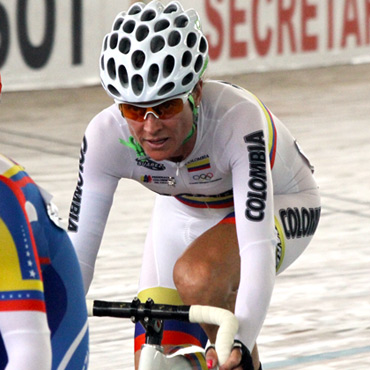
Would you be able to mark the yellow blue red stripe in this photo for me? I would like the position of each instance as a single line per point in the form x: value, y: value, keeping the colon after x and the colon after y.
x: 20, y: 277
x: 223, y: 200
x: 174, y: 332
x: 199, y: 165
x: 272, y: 131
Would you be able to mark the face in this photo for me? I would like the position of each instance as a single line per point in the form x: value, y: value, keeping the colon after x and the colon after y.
x: 163, y: 138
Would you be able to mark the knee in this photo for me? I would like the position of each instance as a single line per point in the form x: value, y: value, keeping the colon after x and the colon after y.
x: 193, y: 280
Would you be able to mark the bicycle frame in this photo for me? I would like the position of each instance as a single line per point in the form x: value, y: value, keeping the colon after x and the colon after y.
x: 151, y: 315
x: 152, y: 357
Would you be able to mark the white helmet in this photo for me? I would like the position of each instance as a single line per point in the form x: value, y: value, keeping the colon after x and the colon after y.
x: 153, y: 52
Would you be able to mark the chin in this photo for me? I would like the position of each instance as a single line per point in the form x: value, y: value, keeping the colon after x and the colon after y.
x: 156, y: 156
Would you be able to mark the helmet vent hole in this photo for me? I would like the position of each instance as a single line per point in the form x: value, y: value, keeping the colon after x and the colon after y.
x: 102, y: 63
x: 198, y: 64
x: 134, y: 9
x: 123, y: 76
x: 186, y: 59
x: 187, y: 79
x: 105, y: 43
x: 113, y: 90
x: 157, y: 44
x: 161, y: 25
x: 181, y: 21
x: 168, y: 87
x: 137, y: 84
x: 124, y: 46
x: 148, y: 15
x: 174, y: 38
x: 203, y: 45
x: 170, y: 9
x: 153, y: 74
x: 138, y: 59
x: 129, y: 26
x: 168, y: 65
x: 111, y: 67
x: 141, y: 33
x: 113, y: 41
x: 191, y: 39
x: 118, y: 24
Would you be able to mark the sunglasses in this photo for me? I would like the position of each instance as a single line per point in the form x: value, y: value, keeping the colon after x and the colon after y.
x: 164, y: 110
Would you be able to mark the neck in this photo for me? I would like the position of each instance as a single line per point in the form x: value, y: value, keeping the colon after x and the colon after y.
x: 186, y: 148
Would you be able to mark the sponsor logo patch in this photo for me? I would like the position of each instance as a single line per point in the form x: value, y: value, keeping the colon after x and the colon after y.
x: 151, y: 165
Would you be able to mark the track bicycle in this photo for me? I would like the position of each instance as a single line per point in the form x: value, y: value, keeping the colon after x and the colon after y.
x: 152, y: 316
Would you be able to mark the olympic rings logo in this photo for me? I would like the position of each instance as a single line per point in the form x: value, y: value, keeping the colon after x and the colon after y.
x: 203, y: 176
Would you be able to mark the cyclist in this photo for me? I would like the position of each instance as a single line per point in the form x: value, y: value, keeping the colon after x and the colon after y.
x: 237, y: 201
x: 43, y: 317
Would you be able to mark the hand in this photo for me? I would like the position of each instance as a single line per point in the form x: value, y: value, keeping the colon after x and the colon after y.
x: 239, y: 359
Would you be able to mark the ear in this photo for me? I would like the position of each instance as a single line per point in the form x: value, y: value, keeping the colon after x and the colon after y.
x: 197, y: 93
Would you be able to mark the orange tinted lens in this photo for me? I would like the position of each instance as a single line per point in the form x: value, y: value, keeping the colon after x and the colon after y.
x: 169, y: 108
x: 133, y: 112
x: 165, y: 110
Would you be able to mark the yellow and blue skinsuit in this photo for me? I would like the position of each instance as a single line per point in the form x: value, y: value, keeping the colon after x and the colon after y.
x: 39, y: 269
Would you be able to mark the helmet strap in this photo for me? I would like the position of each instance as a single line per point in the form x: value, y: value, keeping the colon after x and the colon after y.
x: 190, y: 134
x: 136, y: 146
x: 195, y: 117
x: 194, y: 107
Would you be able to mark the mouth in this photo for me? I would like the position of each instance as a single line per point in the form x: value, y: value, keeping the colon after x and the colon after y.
x: 156, y: 143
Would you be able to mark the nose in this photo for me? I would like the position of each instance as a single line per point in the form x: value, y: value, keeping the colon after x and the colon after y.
x: 152, y: 123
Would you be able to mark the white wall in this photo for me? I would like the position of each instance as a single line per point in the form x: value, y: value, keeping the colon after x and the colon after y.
x: 60, y: 47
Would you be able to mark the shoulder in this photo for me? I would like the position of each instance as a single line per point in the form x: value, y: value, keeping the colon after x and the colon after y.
x: 231, y: 108
x: 105, y: 129
x: 6, y: 164
x: 225, y: 98
x: 108, y: 118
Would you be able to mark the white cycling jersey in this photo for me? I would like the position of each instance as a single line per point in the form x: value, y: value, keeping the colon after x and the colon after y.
x: 244, y: 160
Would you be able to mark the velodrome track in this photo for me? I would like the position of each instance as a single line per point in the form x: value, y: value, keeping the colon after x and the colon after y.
x: 320, y: 311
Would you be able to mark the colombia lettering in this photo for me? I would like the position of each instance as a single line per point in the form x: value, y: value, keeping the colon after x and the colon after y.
x: 299, y: 223
x: 74, y: 211
x: 256, y: 197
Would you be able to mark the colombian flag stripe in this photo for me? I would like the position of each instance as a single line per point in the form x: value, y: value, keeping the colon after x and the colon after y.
x: 197, y: 360
x: 200, y: 203
x: 229, y: 219
x: 272, y: 131
x: 223, y: 200
x: 174, y: 332
x: 282, y: 243
x: 202, y: 164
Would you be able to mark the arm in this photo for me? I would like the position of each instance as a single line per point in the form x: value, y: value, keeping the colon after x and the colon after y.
x: 98, y: 178
x: 253, y: 196
x: 247, y: 157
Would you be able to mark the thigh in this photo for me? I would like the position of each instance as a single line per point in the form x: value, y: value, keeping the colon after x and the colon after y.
x: 214, y: 257
x: 296, y: 219
x: 173, y: 228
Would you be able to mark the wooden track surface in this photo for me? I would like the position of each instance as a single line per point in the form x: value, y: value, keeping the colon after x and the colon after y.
x: 320, y: 312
